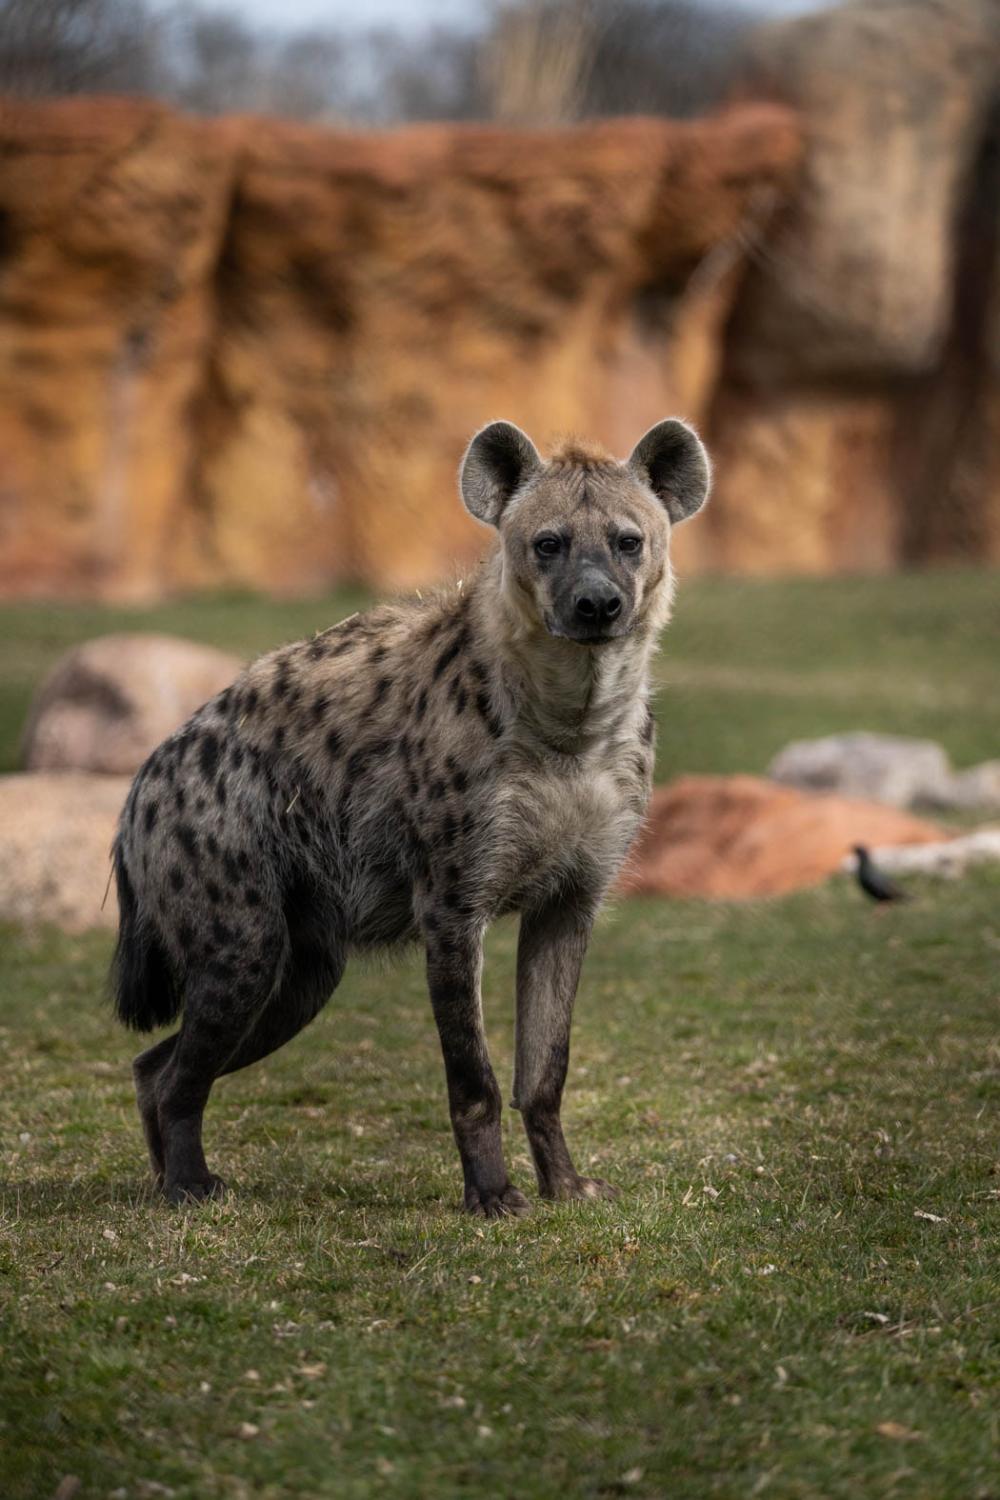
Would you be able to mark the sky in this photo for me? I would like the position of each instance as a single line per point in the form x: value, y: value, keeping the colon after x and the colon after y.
x: 410, y: 14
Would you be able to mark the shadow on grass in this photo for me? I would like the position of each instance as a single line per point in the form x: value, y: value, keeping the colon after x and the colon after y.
x: 63, y: 1197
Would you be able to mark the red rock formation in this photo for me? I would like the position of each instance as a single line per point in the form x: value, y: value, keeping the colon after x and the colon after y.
x: 739, y: 836
x: 251, y: 352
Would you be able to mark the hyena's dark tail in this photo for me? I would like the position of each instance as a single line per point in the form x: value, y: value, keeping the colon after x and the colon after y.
x: 144, y: 991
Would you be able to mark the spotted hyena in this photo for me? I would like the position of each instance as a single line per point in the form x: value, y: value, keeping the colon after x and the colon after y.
x: 410, y: 774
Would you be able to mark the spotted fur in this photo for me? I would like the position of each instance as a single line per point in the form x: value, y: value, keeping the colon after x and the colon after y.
x: 409, y: 775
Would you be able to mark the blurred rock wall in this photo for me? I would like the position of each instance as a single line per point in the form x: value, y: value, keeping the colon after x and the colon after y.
x: 249, y: 353
x: 856, y: 419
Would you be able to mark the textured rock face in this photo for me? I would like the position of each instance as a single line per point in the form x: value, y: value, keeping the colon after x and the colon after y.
x: 111, y: 218
x: 734, y: 837
x: 107, y: 704
x: 246, y: 352
x: 251, y: 352
x: 856, y: 418
x: 55, y: 842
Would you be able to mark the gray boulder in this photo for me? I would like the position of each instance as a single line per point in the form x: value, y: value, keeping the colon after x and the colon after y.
x: 108, y: 703
x: 876, y: 767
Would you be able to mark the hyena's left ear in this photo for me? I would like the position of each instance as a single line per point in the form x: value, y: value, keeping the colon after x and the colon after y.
x: 672, y: 461
x: 497, y: 462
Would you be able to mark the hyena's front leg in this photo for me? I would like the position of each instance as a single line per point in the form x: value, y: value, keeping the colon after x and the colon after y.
x: 551, y: 946
x: 454, y: 969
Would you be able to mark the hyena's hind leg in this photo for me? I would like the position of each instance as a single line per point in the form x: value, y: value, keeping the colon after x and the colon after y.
x: 224, y: 1031
x: 145, y: 1071
x: 231, y: 980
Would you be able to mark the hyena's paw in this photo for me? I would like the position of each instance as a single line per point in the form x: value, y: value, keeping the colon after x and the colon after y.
x: 573, y: 1189
x: 508, y: 1202
x: 198, y: 1191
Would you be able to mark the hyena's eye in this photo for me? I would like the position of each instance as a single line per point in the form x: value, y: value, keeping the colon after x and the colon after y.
x: 548, y: 545
x: 630, y: 543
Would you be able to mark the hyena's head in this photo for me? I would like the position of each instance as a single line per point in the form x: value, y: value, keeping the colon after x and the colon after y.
x: 585, y: 538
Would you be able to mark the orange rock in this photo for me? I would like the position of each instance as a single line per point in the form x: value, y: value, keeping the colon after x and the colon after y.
x: 733, y: 837
x: 250, y: 352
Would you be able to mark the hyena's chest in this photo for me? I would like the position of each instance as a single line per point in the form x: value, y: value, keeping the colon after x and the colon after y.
x: 561, y: 829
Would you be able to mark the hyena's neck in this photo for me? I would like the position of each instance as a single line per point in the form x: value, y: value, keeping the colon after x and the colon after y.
x: 567, y: 696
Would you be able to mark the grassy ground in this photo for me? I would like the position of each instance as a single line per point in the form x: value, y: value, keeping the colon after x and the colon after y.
x: 797, y: 1295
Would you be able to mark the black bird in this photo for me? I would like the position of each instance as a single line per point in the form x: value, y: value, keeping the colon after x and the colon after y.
x: 873, y: 881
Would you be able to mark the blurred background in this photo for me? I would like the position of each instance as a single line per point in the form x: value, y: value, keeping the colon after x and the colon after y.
x: 264, y: 268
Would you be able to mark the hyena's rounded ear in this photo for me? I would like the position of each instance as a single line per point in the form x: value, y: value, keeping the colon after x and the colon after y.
x: 672, y: 461
x: 497, y: 461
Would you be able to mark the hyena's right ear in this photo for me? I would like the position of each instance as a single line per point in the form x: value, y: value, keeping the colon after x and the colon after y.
x: 497, y: 461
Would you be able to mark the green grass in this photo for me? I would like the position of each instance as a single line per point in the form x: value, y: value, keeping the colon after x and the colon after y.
x: 798, y: 1293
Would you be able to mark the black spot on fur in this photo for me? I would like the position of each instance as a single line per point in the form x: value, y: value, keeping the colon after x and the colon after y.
x: 649, y: 727
x: 176, y: 877
x: 188, y: 840
x: 179, y: 799
x: 382, y: 687
x: 152, y: 812
x: 378, y: 653
x: 449, y: 653
x: 319, y: 707
x: 461, y: 699
x: 213, y: 891
x: 220, y: 792
x: 230, y: 866
x: 251, y: 895
x: 485, y: 710
x: 208, y: 754
x: 421, y: 708
x: 278, y: 740
x: 211, y: 843
x: 185, y: 933
x: 478, y: 671
x: 282, y: 679
x: 358, y: 760
x: 250, y: 701
x: 449, y: 830
x: 437, y: 790
x: 332, y: 743
x: 220, y: 932
x: 236, y: 756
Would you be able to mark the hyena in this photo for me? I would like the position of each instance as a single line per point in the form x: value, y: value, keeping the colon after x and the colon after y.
x: 411, y: 774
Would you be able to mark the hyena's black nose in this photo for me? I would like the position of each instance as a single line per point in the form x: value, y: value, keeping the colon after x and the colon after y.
x: 598, y: 603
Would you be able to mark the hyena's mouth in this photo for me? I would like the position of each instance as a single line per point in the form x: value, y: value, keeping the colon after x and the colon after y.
x: 583, y: 637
